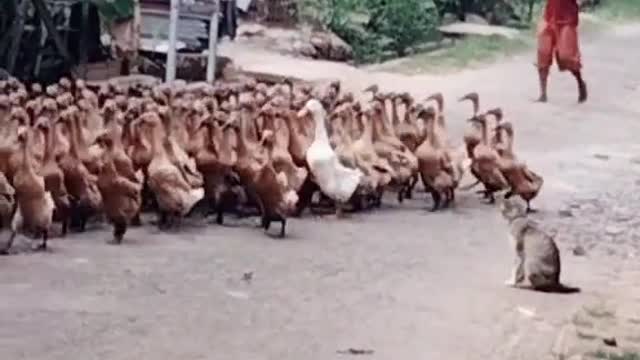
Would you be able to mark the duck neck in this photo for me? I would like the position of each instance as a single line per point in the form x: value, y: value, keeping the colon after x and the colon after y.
x: 384, y: 121
x: 242, y: 140
x: 157, y: 143
x: 73, y: 139
x: 485, y: 132
x: 367, y: 129
x: 26, y: 154
x: 49, y: 145
x: 245, y: 127
x: 431, y: 134
x: 510, y: 139
x: 81, y: 145
x: 407, y: 113
x: 376, y: 126
x: 321, y: 129
x: 210, y: 136
x: 394, y: 113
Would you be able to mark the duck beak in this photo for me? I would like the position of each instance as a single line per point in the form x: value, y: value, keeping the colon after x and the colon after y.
x: 303, y: 113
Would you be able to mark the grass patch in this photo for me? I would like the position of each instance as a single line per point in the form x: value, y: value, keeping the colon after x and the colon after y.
x: 467, y: 52
x: 475, y: 51
x: 601, y: 355
x: 618, y: 10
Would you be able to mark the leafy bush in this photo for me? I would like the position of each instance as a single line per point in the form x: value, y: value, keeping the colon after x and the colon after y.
x: 376, y: 28
x: 498, y: 12
x: 380, y: 29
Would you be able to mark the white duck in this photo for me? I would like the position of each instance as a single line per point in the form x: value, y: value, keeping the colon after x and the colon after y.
x: 334, y: 179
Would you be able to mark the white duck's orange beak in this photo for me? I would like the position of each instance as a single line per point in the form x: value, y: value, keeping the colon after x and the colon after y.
x: 304, y: 112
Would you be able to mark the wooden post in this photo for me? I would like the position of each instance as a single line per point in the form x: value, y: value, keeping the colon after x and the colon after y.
x: 5, y: 39
x: 84, y: 39
x: 213, y: 43
x: 43, y: 40
x: 170, y: 74
x: 42, y: 10
x: 16, y: 36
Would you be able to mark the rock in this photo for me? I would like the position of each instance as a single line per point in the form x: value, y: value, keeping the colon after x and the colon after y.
x: 305, y: 49
x: 579, y: 251
x: 613, y: 230
x: 610, y: 341
x: 247, y: 276
x: 251, y: 30
x: 322, y: 43
x: 566, y: 213
x: 475, y: 19
x: 329, y: 46
x: 603, y: 157
x: 340, y: 50
x: 449, y: 18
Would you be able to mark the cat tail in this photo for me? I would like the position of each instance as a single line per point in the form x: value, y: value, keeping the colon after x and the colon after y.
x: 559, y: 289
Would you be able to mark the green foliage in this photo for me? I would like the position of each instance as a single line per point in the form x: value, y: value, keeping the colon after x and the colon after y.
x: 376, y: 28
x: 406, y: 23
x: 499, y: 12
x: 618, y: 10
x: 601, y: 355
x: 114, y: 10
x: 470, y: 51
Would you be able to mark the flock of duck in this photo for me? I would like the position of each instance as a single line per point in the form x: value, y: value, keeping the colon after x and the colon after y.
x: 70, y: 153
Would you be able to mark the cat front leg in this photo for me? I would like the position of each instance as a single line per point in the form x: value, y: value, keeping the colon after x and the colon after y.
x: 517, y: 274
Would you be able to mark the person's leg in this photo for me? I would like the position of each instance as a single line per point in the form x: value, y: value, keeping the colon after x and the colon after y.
x: 569, y: 58
x: 582, y: 86
x: 546, y: 46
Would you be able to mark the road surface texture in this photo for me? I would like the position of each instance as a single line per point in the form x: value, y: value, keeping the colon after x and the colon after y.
x: 400, y: 281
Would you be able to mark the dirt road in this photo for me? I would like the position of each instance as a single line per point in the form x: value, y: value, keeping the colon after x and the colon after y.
x: 402, y: 282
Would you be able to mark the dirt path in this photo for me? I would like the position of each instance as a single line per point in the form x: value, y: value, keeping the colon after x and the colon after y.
x: 401, y: 281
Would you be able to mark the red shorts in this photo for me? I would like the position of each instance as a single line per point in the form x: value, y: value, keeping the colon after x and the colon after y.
x: 560, y: 41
